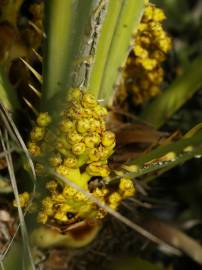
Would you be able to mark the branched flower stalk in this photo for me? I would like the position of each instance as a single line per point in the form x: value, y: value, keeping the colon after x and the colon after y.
x: 143, y: 73
x: 78, y: 148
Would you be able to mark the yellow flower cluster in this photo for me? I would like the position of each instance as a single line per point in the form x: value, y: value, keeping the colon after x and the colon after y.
x: 66, y: 205
x: 23, y: 200
x: 143, y: 72
x: 78, y: 148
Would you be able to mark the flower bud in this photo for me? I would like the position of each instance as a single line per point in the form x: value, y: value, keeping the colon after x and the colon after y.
x: 74, y: 137
x: 83, y: 125
x: 71, y: 162
x: 96, y: 169
x: 37, y: 134
x: 43, y: 119
x: 78, y: 149
x: 126, y: 187
x: 114, y: 200
x: 23, y: 199
x: 74, y: 94
x: 52, y: 185
x: 55, y: 160
x: 88, y: 101
x: 92, y: 140
x: 34, y: 149
x: 42, y: 217
x: 66, y: 126
x: 108, y: 138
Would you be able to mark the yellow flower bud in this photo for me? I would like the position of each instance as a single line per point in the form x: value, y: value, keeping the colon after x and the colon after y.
x: 92, y: 140
x: 74, y: 137
x: 100, y: 192
x: 23, y: 199
x: 149, y: 64
x: 158, y: 15
x: 66, y: 126
x: 42, y: 217
x: 93, y: 154
x: 114, y: 200
x: 69, y: 191
x: 88, y: 100
x: 126, y: 187
x: 80, y: 196
x: 83, y: 125
x: 74, y: 94
x: 71, y: 162
x: 52, y: 185
x: 100, y: 111
x: 139, y: 51
x: 108, y: 138
x: 105, y: 152
x: 55, y: 160
x: 78, y: 149
x: 47, y: 202
x: 100, y: 214
x: 34, y: 149
x: 62, y: 142
x: 48, y: 206
x: 95, y: 125
x: 43, y: 119
x: 96, y: 169
x: 39, y: 169
x: 37, y: 134
x: 63, y: 170
x: 59, y: 198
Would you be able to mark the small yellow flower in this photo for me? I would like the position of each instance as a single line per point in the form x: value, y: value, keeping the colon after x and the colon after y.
x: 69, y: 191
x: 126, y: 187
x: 88, y: 101
x: 52, y: 185
x: 43, y: 119
x: 73, y: 137
x: 70, y: 162
x: 23, y: 199
x: 34, y: 149
x: 37, y: 134
x: 66, y: 126
x: 108, y: 138
x: 78, y: 148
x: 83, y: 125
x: 42, y: 217
x: 92, y: 140
x: 114, y: 200
x: 55, y: 160
x: 97, y: 169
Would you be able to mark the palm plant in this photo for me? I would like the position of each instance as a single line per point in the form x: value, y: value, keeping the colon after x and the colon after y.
x: 85, y: 48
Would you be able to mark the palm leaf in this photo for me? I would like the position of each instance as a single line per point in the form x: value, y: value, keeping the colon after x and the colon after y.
x: 182, y: 89
x: 121, y: 20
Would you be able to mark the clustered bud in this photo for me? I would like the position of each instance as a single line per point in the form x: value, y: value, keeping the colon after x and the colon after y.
x: 78, y: 148
x: 143, y: 73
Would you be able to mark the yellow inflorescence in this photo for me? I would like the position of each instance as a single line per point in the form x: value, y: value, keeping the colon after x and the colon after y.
x: 78, y: 148
x: 143, y: 72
